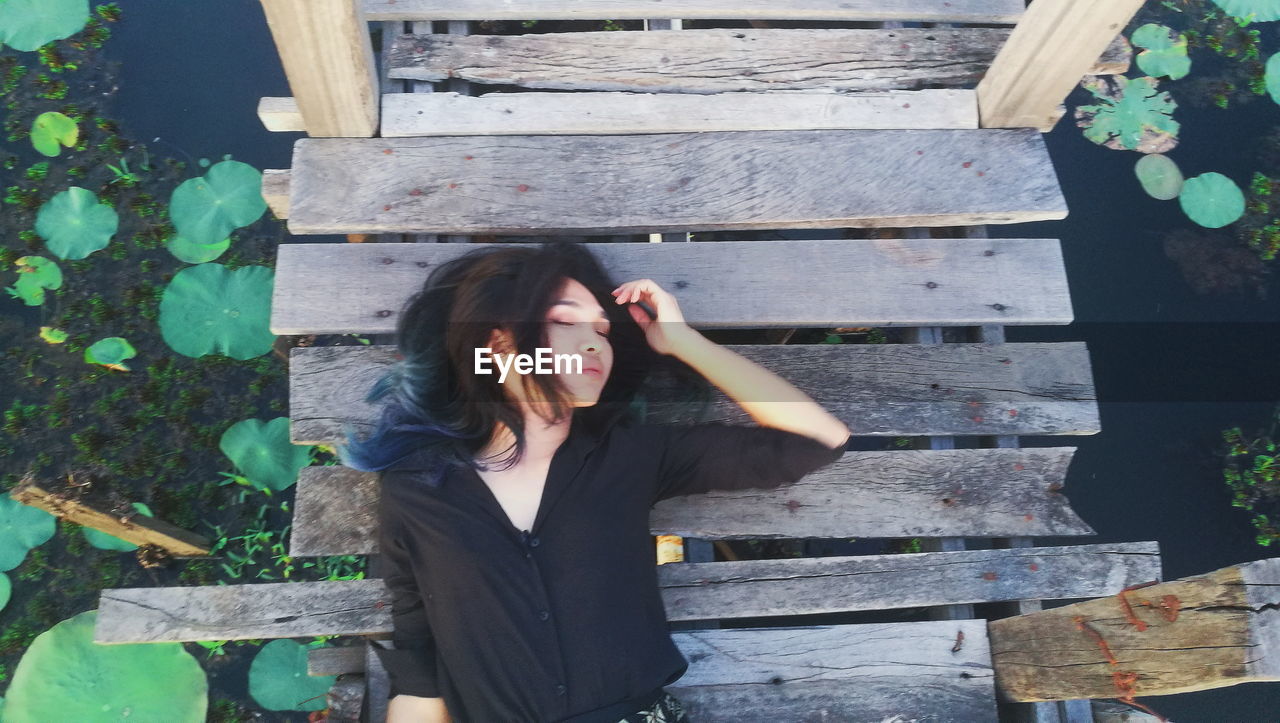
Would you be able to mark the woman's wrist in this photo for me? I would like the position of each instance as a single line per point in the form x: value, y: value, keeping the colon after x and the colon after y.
x: 683, y: 341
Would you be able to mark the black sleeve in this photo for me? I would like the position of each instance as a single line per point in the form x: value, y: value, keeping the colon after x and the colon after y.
x: 718, y: 456
x: 411, y: 665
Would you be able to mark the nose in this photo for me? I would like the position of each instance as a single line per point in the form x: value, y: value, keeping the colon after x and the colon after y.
x: 591, y: 347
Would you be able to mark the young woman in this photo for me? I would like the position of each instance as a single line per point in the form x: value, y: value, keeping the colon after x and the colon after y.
x: 514, y: 513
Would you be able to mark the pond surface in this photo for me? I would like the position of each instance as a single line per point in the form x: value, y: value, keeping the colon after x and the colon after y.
x: 1174, y: 367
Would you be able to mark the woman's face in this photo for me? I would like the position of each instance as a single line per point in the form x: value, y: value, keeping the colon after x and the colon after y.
x: 576, y: 324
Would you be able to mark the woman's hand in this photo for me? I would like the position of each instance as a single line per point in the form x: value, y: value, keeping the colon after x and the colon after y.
x: 664, y: 332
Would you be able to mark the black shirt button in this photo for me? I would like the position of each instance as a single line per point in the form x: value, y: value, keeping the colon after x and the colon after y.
x: 543, y: 615
x: 560, y: 690
x: 533, y: 542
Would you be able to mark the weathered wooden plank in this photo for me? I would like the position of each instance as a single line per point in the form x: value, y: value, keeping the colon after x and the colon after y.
x: 959, y: 11
x: 672, y: 181
x: 878, y: 390
x: 410, y: 114
x: 946, y: 493
x: 1053, y: 46
x: 280, y: 115
x: 132, y: 526
x: 1195, y: 633
x: 325, y: 49
x: 801, y: 586
x: 353, y: 288
x: 345, y: 699
x: 869, y: 672
x: 275, y: 191
x: 336, y: 661
x: 712, y: 60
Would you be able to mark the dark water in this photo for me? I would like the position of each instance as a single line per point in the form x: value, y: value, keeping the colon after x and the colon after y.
x: 1173, y: 368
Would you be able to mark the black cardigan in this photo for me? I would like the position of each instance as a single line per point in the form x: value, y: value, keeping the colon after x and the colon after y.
x: 565, y: 621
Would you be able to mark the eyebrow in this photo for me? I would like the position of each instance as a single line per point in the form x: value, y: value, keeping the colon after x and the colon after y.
x: 571, y: 302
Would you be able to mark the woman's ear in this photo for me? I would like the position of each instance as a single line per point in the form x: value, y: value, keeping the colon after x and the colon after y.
x: 500, y: 341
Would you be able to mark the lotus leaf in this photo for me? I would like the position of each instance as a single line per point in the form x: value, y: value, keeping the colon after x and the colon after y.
x: 1159, y: 176
x: 22, y: 527
x: 111, y: 353
x: 206, y: 210
x: 1212, y: 200
x: 103, y: 541
x: 52, y: 335
x: 51, y: 131
x: 1166, y: 51
x: 209, y: 309
x: 65, y: 676
x: 1271, y: 77
x: 75, y: 225
x: 6, y: 590
x: 35, y: 274
x: 1132, y: 115
x: 28, y: 24
x: 263, y: 453
x: 278, y: 678
x: 1255, y: 10
x: 194, y: 253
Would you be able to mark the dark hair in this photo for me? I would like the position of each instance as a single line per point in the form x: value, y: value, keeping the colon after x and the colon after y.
x: 438, y: 405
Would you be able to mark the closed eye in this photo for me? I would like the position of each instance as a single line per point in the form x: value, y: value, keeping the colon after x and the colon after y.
x: 604, y: 334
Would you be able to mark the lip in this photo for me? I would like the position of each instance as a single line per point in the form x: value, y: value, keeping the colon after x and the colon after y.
x: 591, y: 370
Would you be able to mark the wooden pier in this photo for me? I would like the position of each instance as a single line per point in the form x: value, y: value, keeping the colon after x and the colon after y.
x: 916, y: 138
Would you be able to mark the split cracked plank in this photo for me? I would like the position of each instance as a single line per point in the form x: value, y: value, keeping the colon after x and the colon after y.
x: 574, y: 184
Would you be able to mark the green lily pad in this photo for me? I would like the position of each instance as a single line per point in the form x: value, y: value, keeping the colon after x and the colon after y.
x: 65, y: 676
x: 206, y: 210
x: 111, y: 353
x: 209, y: 309
x: 52, y: 335
x: 103, y: 541
x: 194, y: 253
x: 1261, y: 10
x: 53, y: 130
x: 1159, y: 176
x: 1166, y: 51
x: 263, y: 453
x: 1131, y: 114
x: 1271, y: 77
x: 28, y: 24
x: 1212, y: 200
x: 35, y: 274
x: 74, y: 225
x: 278, y: 678
x: 6, y: 590
x: 22, y: 528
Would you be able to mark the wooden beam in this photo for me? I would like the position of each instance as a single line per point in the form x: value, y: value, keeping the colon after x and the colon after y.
x: 325, y: 48
x: 280, y: 115
x: 715, y: 60
x: 1053, y: 46
x: 1194, y: 633
x: 275, y: 191
x: 959, y: 11
x: 580, y: 184
x: 133, y: 527
x: 450, y: 114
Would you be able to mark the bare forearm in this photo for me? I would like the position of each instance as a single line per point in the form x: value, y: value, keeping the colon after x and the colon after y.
x: 415, y: 709
x: 770, y: 400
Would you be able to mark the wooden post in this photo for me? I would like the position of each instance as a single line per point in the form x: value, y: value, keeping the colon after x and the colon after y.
x: 1195, y: 633
x: 1052, y: 47
x: 327, y: 55
x: 135, y: 528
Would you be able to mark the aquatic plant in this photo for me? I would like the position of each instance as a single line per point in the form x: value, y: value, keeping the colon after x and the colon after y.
x: 74, y: 225
x: 207, y: 209
x: 65, y: 675
x: 1212, y: 200
x: 35, y: 274
x: 28, y: 24
x: 103, y: 541
x: 194, y: 253
x: 1252, y: 474
x: 22, y: 528
x: 1130, y: 115
x: 262, y: 452
x: 52, y: 335
x: 278, y: 678
x: 1165, y: 51
x: 1251, y: 10
x: 110, y: 353
x: 1159, y: 176
x: 37, y: 171
x: 209, y: 309
x: 6, y: 590
x: 123, y: 175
